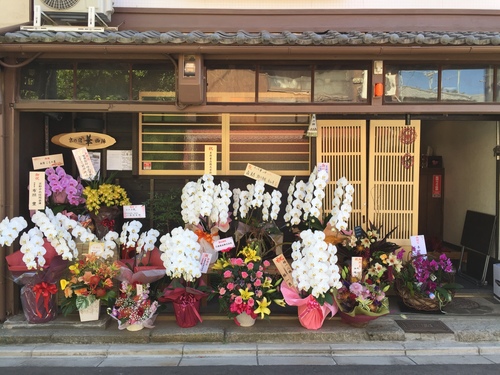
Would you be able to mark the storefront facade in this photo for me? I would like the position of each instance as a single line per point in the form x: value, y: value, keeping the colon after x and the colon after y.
x: 249, y: 83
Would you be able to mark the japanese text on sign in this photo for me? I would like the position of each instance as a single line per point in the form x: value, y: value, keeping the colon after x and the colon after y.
x: 37, y: 191
x: 284, y: 269
x: 205, y: 262
x: 47, y: 161
x: 357, y: 267
x: 224, y: 244
x: 211, y: 159
x: 134, y: 211
x: 84, y: 163
x: 418, y: 244
x: 271, y: 179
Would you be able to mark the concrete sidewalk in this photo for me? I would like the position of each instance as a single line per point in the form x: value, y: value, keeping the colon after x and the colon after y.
x: 468, y: 333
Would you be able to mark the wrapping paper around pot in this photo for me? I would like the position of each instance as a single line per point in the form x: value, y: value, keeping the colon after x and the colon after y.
x: 39, y: 302
x: 17, y: 267
x: 153, y: 270
x: 311, y: 313
x: 187, y: 311
x: 105, y: 220
x: 186, y: 301
x: 148, y: 323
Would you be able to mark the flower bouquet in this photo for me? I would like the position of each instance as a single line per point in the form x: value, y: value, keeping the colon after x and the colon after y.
x: 205, y: 211
x: 133, y: 309
x: 246, y: 290
x: 90, y: 282
x: 361, y: 300
x: 103, y: 200
x: 255, y: 211
x: 181, y: 257
x: 425, y: 283
x: 315, y: 275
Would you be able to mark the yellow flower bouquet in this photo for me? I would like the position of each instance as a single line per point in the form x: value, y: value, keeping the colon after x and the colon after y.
x: 107, y: 195
x: 103, y: 201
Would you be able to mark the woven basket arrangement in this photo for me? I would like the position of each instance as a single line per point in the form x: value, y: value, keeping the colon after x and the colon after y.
x: 417, y: 302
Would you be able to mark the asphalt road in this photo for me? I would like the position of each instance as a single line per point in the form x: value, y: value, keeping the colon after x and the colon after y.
x: 493, y: 369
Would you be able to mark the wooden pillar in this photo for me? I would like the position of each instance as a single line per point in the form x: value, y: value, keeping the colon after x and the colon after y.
x: 9, y: 172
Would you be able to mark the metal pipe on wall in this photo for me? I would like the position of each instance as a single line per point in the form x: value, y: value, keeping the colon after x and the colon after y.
x: 496, y: 153
x: 3, y: 268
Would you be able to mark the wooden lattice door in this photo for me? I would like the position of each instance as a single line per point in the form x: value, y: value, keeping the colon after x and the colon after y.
x: 342, y: 144
x: 384, y: 175
x: 393, y: 178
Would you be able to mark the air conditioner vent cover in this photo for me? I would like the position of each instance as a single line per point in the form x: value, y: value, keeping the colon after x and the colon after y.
x: 60, y: 4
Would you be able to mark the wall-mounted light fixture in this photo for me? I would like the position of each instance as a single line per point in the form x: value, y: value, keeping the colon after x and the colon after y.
x: 378, y: 90
x: 312, y: 129
x: 191, y: 80
x: 407, y: 119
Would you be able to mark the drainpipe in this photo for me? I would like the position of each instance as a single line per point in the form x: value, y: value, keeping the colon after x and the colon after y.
x: 3, y: 268
x: 496, y: 152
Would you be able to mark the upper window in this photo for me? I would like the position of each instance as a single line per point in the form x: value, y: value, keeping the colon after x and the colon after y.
x: 97, y: 81
x: 274, y: 83
x: 436, y: 83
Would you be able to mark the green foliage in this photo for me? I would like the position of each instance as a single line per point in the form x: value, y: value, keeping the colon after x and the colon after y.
x: 164, y: 210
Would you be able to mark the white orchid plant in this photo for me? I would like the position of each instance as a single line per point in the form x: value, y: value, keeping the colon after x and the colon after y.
x: 314, y: 267
x: 342, y: 205
x: 256, y: 211
x: 206, y: 204
x: 305, y: 201
x: 181, y: 254
x: 10, y: 229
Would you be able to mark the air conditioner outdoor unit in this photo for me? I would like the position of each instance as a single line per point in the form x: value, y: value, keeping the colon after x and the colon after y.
x: 75, y: 11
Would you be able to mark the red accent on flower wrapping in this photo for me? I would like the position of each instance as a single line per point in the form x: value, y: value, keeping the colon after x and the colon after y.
x: 44, y: 290
x: 108, y: 223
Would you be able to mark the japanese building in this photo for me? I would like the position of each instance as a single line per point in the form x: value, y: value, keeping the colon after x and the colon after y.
x: 406, y: 101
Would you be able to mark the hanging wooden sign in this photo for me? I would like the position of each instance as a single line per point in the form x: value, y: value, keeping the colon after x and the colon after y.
x: 89, y: 140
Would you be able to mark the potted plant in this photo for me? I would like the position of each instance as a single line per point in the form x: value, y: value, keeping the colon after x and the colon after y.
x: 181, y: 258
x: 247, y: 289
x: 90, y: 282
x: 103, y: 201
x: 205, y: 211
x: 425, y: 283
x: 62, y: 191
x: 43, y: 257
x: 255, y: 212
x: 315, y: 275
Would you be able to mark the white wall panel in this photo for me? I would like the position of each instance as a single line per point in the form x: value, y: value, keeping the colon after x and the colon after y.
x: 310, y: 4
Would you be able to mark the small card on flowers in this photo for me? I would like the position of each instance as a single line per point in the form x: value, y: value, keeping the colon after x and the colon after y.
x: 205, y: 262
x: 357, y: 267
x: 224, y: 244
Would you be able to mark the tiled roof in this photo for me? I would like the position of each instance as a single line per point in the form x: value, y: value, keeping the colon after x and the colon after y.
x: 327, y: 38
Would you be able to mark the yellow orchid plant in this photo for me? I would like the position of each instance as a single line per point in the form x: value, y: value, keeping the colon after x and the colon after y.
x: 245, y: 284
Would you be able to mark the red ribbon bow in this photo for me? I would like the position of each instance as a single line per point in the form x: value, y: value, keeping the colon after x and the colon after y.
x: 44, y: 290
x: 110, y: 224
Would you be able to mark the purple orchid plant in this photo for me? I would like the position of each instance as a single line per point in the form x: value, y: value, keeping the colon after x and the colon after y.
x: 62, y: 187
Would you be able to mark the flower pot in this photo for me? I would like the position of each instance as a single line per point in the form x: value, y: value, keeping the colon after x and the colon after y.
x: 357, y: 320
x: 311, y: 314
x: 39, y: 302
x: 135, y: 327
x: 104, y: 221
x: 244, y: 320
x: 91, y: 312
x: 187, y: 311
